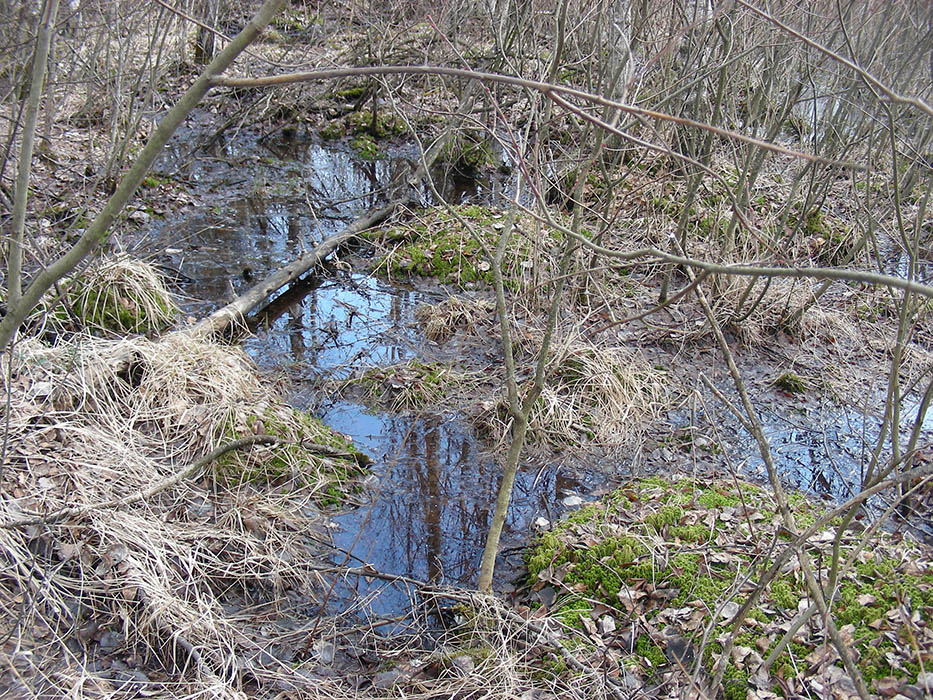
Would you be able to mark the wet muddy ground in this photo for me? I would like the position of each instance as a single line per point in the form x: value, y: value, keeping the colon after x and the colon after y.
x: 425, y: 509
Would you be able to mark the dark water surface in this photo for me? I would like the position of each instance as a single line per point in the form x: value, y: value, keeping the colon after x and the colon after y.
x: 428, y: 501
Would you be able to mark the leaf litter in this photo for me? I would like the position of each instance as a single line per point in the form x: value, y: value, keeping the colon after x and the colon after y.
x: 653, y: 575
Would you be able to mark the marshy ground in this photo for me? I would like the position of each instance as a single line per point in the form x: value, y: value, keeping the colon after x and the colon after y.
x: 331, y: 551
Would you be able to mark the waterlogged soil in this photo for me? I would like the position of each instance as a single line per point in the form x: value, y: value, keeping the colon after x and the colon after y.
x: 424, y: 510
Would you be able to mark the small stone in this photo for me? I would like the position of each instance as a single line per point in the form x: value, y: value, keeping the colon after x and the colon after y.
x: 22, y: 660
x: 679, y: 650
x: 542, y: 523
x: 110, y: 641
x: 464, y: 664
x: 40, y: 389
x: 729, y: 610
x: 386, y: 679
x: 326, y: 652
x: 572, y: 501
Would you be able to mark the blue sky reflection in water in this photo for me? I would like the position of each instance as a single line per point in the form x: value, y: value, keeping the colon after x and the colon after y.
x: 341, y: 327
x: 430, y: 507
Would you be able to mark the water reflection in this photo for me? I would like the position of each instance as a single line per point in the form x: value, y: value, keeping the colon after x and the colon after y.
x: 274, y: 201
x: 430, y: 511
x: 340, y: 327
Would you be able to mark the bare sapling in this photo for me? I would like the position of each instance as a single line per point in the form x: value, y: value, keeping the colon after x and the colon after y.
x: 99, y: 228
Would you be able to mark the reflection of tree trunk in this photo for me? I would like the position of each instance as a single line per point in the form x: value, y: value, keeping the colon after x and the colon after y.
x: 404, y: 523
x: 314, y: 327
x: 433, y: 501
x: 395, y: 316
x: 296, y: 333
x: 204, y: 43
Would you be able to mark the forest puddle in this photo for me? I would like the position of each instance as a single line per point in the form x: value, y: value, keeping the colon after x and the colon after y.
x: 427, y: 505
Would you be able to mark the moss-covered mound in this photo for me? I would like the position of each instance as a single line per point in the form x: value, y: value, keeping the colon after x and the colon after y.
x: 668, y: 564
x: 411, y: 386
x: 117, y: 294
x: 365, y: 128
x: 309, y: 454
x: 439, y: 245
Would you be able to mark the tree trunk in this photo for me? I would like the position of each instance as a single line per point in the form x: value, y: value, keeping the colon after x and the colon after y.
x: 20, y: 196
x: 488, y: 562
x: 204, y: 43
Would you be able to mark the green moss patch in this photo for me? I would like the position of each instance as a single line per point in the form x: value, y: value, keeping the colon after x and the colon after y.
x: 117, y: 295
x: 366, y: 146
x: 365, y: 128
x: 309, y: 456
x: 438, y: 246
x: 378, y: 125
x: 671, y: 562
x: 467, y: 155
x: 791, y: 383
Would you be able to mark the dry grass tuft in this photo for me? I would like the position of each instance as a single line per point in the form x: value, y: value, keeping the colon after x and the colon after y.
x: 413, y: 385
x: 455, y: 313
x: 603, y: 395
x: 93, y: 420
x: 117, y: 294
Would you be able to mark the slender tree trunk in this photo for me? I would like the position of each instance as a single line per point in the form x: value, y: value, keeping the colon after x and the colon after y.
x: 204, y: 43
x: 488, y: 563
x: 21, y: 194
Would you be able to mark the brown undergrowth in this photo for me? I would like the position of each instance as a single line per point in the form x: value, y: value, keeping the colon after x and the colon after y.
x: 153, y: 582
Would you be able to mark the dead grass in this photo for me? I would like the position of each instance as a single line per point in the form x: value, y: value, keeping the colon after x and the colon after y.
x: 413, y: 386
x: 93, y: 420
x: 594, y: 394
x: 443, y: 320
x: 117, y: 294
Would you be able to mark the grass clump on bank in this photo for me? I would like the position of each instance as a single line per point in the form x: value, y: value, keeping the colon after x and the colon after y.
x: 95, y: 421
x: 410, y: 386
x: 440, y: 321
x: 307, y: 450
x: 671, y: 562
x: 116, y: 295
x: 593, y: 394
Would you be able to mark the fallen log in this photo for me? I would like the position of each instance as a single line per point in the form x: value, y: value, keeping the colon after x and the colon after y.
x: 235, y: 311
